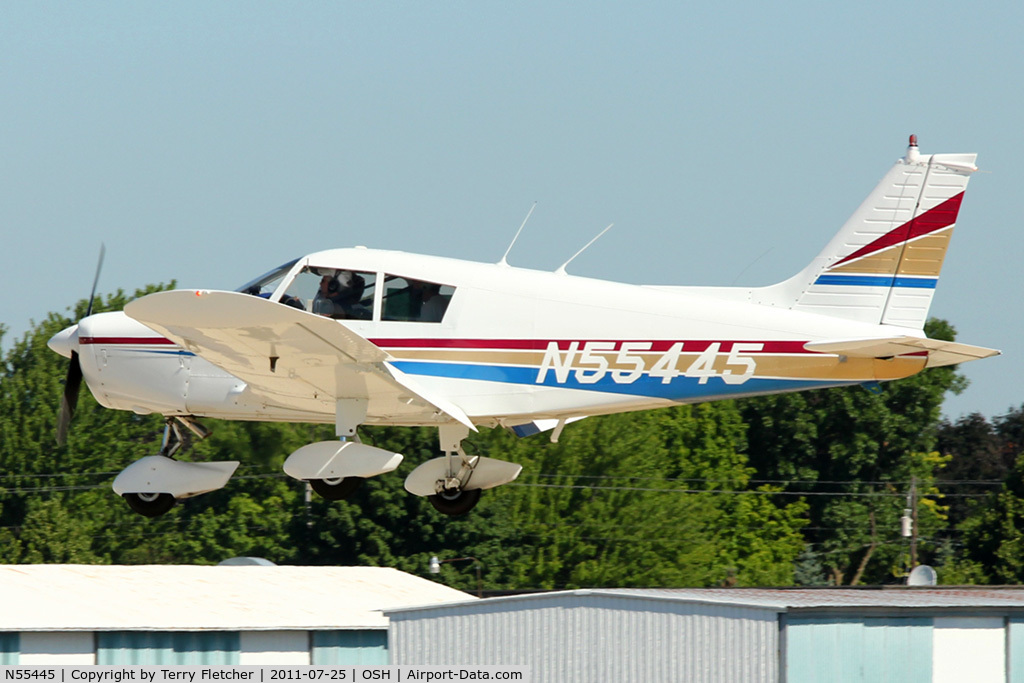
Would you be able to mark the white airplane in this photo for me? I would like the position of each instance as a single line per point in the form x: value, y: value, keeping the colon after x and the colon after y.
x: 364, y: 336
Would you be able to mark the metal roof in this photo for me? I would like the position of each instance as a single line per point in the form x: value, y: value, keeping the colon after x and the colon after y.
x: 789, y: 599
x: 195, y: 598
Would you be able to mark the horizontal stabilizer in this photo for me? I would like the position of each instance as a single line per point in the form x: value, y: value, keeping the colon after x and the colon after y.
x: 939, y: 352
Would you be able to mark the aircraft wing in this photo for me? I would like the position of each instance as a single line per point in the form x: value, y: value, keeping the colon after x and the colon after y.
x: 289, y: 358
x: 939, y: 352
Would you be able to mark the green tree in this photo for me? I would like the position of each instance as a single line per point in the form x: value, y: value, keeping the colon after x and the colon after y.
x: 852, y: 451
x: 993, y: 536
x: 655, y: 498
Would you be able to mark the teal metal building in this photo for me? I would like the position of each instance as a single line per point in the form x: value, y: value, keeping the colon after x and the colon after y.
x: 898, y: 634
x: 167, y: 614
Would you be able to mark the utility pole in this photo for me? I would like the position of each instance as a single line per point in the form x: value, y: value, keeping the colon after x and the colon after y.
x: 913, y: 522
x: 435, y: 568
x: 908, y: 523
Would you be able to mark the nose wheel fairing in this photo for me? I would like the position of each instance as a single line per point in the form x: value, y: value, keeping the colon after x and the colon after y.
x: 158, y: 474
x: 152, y: 485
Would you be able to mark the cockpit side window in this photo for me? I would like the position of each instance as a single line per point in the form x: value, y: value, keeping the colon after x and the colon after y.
x: 410, y: 300
x: 333, y: 292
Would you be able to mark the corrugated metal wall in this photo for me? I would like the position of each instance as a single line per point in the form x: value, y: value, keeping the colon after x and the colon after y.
x: 858, y: 649
x: 355, y: 647
x: 594, y: 637
x: 365, y: 648
x: 9, y: 648
x: 153, y: 647
x: 1015, y: 650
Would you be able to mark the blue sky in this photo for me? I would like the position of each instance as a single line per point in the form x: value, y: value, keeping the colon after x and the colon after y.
x: 208, y: 142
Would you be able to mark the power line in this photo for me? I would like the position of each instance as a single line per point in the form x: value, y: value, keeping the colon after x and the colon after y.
x: 845, y: 482
x: 546, y: 475
x: 589, y: 487
x: 833, y: 494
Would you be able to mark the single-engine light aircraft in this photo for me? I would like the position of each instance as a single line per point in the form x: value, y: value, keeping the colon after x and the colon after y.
x: 369, y: 337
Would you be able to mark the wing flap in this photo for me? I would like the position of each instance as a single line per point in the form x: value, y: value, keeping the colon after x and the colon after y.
x: 939, y: 352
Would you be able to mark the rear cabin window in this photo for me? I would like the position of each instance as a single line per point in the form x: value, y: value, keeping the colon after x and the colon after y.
x: 410, y: 300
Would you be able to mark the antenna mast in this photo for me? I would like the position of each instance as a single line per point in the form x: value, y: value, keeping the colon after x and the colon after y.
x: 504, y: 258
x: 561, y: 268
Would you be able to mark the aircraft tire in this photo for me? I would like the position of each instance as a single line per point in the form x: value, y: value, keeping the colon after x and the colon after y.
x: 150, y: 504
x: 454, y: 503
x: 336, y: 489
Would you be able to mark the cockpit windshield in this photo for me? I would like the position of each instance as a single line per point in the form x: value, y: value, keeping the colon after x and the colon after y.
x: 265, y: 284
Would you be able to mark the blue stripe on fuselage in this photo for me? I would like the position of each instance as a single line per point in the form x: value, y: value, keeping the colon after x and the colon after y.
x: 876, y: 281
x: 680, y: 388
x: 179, y: 352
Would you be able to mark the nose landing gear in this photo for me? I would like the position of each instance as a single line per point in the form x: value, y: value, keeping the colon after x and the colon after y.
x: 152, y: 485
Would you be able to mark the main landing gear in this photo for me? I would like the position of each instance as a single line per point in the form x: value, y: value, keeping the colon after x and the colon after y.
x: 336, y: 488
x: 335, y: 469
x: 454, y: 502
x: 454, y: 482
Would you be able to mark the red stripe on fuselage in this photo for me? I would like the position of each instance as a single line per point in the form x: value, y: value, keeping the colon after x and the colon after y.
x: 690, y: 346
x: 657, y: 345
x: 133, y: 341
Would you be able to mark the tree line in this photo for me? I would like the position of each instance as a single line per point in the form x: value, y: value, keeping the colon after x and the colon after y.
x: 792, y: 489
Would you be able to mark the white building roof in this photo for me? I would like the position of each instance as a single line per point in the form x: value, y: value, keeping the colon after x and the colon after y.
x: 194, y: 598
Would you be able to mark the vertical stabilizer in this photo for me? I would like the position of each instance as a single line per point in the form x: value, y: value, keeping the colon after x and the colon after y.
x: 883, y: 265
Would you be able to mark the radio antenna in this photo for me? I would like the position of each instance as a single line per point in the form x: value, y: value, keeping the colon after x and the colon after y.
x: 504, y: 259
x: 561, y: 268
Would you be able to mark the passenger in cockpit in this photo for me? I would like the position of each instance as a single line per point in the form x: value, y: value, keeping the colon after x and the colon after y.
x: 339, y: 294
x: 434, y: 304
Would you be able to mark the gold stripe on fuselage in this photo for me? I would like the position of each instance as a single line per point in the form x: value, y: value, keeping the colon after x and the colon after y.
x: 809, y: 366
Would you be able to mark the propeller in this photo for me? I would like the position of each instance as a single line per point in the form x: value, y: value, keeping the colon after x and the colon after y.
x: 73, y: 379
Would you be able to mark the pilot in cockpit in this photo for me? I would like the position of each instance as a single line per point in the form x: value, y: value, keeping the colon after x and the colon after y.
x: 339, y: 294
